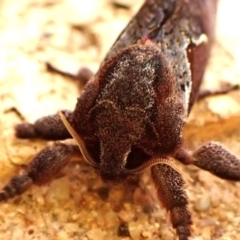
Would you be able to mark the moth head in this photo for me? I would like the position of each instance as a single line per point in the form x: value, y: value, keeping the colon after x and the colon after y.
x: 131, y: 85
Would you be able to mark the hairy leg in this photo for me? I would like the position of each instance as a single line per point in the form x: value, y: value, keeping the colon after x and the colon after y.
x: 49, y: 127
x: 44, y: 167
x: 82, y: 76
x: 169, y: 185
x: 215, y: 158
x: 224, y: 90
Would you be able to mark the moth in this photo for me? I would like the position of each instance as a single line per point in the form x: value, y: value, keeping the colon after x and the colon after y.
x: 131, y: 113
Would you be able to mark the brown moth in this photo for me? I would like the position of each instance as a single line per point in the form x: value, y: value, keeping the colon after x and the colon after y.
x: 131, y: 113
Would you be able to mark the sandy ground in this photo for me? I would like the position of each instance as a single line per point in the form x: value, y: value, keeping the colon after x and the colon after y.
x: 79, y: 206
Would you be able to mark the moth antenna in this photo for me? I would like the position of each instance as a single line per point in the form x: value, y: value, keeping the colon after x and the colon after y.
x: 156, y: 161
x: 78, y: 139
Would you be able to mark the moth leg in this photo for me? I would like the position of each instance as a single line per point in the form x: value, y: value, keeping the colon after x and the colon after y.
x: 215, y: 158
x: 206, y: 93
x: 169, y: 185
x: 82, y: 76
x: 44, y: 167
x: 49, y: 127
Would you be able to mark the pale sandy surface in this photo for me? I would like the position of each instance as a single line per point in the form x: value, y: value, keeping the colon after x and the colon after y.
x: 79, y: 206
